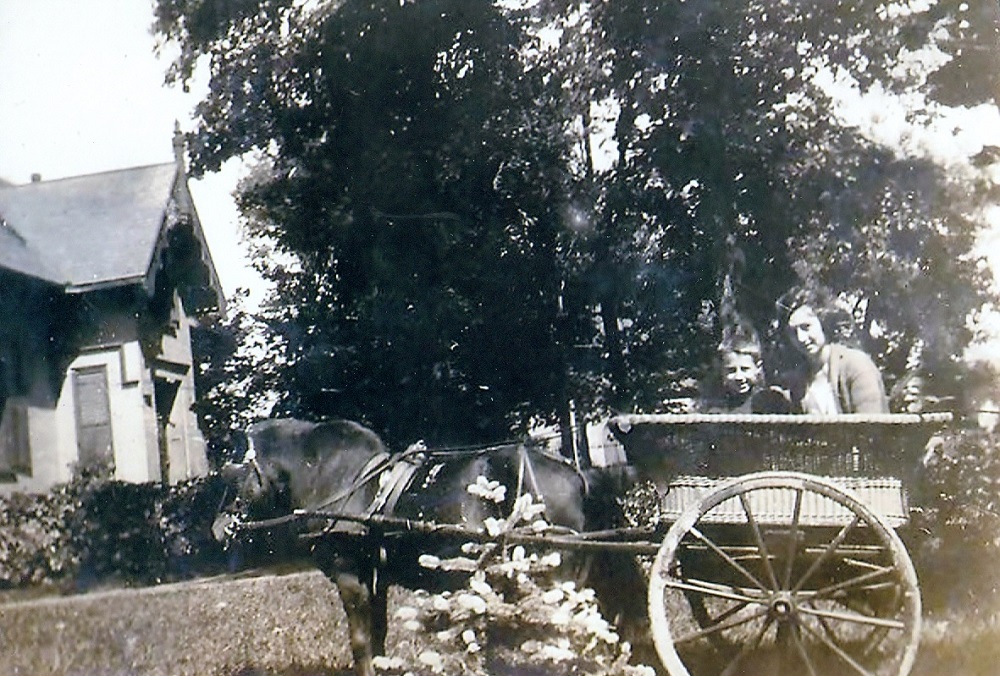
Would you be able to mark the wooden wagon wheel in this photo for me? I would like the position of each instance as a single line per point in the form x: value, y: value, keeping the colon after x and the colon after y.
x: 782, y: 572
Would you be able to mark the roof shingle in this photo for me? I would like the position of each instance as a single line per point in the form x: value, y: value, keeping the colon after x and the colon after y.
x: 86, y: 230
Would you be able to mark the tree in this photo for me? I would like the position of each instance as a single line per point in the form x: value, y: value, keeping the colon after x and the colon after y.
x: 465, y: 254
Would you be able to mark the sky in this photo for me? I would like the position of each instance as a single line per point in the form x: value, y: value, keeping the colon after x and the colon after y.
x: 81, y: 91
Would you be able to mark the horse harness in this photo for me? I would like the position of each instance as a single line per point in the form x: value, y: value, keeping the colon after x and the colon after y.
x: 396, y: 473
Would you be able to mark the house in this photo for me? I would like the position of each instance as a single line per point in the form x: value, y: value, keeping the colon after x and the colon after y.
x: 101, y: 279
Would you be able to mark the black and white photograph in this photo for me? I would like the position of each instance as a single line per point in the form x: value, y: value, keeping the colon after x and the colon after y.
x: 499, y: 337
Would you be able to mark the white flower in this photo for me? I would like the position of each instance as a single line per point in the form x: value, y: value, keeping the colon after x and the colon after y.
x: 488, y: 490
x: 407, y: 613
x: 560, y: 617
x: 540, y: 525
x: 479, y: 585
x: 429, y: 561
x: 459, y: 563
x: 474, y: 604
x: 557, y: 653
x: 642, y: 670
x: 432, y: 659
x: 495, y: 526
x: 469, y: 636
x: 553, y: 596
x: 551, y: 560
x: 384, y: 663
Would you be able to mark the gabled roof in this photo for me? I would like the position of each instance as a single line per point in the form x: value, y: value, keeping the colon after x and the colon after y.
x: 96, y: 230
x: 15, y: 254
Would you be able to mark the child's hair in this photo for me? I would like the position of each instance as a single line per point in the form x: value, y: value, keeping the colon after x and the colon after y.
x: 740, y: 338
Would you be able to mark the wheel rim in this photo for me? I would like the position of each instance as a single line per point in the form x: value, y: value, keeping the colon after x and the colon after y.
x: 775, y: 594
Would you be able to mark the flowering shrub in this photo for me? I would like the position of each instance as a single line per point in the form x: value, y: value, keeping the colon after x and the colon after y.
x: 513, y: 612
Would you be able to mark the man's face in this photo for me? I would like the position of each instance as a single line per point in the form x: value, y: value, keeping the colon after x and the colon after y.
x: 740, y: 372
x: 806, y: 332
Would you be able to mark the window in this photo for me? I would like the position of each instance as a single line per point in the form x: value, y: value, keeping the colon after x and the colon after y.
x: 93, y: 416
x: 15, y: 450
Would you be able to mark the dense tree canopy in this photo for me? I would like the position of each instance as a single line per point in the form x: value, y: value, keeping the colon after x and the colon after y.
x: 478, y: 212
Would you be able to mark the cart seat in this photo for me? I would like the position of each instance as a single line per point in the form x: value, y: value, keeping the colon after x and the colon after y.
x: 876, y: 457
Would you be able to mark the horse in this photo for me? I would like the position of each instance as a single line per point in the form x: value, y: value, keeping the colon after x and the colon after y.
x: 343, y: 468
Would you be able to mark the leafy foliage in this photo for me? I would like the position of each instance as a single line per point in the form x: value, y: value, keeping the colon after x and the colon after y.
x: 475, y: 213
x: 515, y: 612
x: 960, y: 520
x: 92, y: 530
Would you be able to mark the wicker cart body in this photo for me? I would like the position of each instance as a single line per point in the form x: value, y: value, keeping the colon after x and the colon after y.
x: 782, y: 555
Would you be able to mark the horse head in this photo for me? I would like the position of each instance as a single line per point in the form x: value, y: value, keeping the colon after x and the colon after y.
x: 258, y: 483
x: 293, y: 464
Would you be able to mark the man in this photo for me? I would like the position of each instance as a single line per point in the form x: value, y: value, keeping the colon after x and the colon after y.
x: 834, y: 378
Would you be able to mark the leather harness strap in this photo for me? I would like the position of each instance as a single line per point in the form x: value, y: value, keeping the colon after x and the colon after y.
x: 392, y: 483
x: 375, y: 466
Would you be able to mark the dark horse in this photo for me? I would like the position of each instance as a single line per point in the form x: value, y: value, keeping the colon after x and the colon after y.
x: 342, y: 467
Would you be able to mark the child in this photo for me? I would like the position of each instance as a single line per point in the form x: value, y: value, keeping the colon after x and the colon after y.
x: 742, y: 376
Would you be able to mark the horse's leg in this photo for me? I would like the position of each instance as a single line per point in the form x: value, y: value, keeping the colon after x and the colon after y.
x: 356, y: 596
x: 621, y: 588
x: 352, y: 573
x: 380, y: 610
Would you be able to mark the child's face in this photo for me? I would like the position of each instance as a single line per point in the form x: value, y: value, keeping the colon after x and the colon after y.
x: 740, y: 372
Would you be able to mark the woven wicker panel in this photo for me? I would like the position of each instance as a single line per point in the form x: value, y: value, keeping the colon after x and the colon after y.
x: 878, y: 446
x: 885, y: 497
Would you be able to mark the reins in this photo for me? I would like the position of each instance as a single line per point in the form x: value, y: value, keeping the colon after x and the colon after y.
x: 384, y: 460
x: 417, y: 454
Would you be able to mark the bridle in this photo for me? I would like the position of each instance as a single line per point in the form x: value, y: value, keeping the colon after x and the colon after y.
x: 250, y: 458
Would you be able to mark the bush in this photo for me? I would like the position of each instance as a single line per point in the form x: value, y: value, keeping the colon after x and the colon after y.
x: 35, y: 545
x: 93, y: 529
x: 513, y: 615
x: 956, y: 538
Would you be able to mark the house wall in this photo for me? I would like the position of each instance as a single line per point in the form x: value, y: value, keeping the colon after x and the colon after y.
x: 52, y: 428
x: 114, y: 341
x: 28, y: 312
x: 186, y: 446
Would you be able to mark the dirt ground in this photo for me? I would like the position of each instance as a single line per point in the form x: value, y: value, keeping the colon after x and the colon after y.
x: 291, y: 625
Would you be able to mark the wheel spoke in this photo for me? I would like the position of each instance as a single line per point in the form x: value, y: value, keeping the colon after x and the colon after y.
x: 826, y: 626
x: 705, y: 584
x: 761, y: 547
x: 856, y: 618
x: 793, y: 539
x: 801, y: 649
x: 831, y: 548
x: 840, y: 652
x: 728, y: 613
x: 748, y: 648
x: 722, y: 626
x: 826, y: 592
x: 728, y: 559
x: 710, y: 591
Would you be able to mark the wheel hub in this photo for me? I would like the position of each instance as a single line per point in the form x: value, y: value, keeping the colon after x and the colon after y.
x: 782, y: 607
